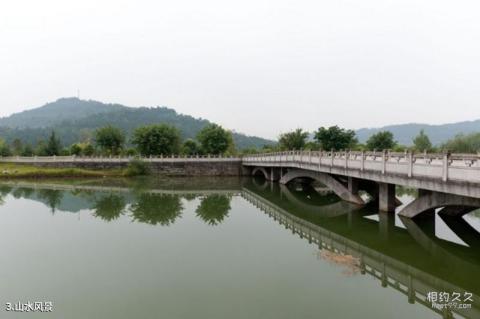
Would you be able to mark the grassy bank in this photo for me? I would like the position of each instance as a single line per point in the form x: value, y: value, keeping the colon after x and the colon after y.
x: 8, y: 170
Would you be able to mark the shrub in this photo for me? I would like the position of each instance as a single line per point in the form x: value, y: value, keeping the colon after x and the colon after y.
x: 137, y: 167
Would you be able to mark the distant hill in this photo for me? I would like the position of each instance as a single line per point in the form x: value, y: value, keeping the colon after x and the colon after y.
x: 76, y: 120
x: 404, y: 133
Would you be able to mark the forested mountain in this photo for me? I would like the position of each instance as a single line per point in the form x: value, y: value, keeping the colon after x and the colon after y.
x: 404, y: 133
x: 75, y: 120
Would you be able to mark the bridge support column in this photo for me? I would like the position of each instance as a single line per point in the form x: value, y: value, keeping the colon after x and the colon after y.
x: 353, y: 185
x: 386, y: 197
x: 275, y: 174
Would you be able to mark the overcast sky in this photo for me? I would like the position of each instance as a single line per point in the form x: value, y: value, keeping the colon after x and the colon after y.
x: 259, y: 67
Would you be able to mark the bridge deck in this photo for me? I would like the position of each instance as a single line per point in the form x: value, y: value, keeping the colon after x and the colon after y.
x: 456, y: 174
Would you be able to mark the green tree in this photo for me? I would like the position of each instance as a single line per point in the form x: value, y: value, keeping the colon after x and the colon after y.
x: 214, y: 139
x: 4, y: 148
x: 381, y: 141
x: 214, y: 208
x: 110, y: 139
x: 17, y: 146
x: 40, y: 149
x: 75, y: 149
x: 422, y: 142
x: 53, y: 146
x: 27, y: 150
x: 294, y: 140
x: 157, y: 139
x: 335, y: 138
x: 463, y: 143
x: 88, y: 150
x: 190, y: 147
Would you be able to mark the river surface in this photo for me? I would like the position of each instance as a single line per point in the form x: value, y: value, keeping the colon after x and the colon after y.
x: 224, y: 248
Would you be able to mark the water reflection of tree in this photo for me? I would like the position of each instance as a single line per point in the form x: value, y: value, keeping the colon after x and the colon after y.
x: 4, y: 191
x: 51, y: 197
x: 109, y: 207
x: 214, y: 208
x: 23, y: 192
x: 189, y: 197
x: 157, y: 208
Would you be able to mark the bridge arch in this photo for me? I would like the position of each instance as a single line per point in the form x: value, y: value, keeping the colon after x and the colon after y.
x: 327, y: 211
x: 454, y: 205
x: 338, y: 188
x: 260, y: 171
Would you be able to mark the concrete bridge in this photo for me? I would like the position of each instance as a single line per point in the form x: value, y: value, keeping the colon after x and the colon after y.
x: 448, y: 181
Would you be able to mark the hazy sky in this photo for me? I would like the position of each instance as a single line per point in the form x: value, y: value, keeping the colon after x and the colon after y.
x: 259, y: 67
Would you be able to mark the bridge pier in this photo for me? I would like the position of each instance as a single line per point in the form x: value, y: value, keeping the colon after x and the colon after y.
x: 386, y: 197
x: 353, y: 185
x: 275, y: 174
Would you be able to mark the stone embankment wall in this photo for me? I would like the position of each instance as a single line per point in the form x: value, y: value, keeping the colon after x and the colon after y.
x: 177, y: 167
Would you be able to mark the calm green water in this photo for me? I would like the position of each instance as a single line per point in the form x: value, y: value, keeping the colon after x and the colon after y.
x: 223, y: 248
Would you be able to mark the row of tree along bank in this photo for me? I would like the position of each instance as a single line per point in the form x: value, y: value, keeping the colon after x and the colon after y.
x: 336, y: 138
x: 161, y: 139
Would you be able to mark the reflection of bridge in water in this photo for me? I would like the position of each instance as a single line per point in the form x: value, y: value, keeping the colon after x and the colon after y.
x: 99, y: 188
x: 394, y: 269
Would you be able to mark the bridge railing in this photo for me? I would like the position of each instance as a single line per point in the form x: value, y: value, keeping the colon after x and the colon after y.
x: 115, y: 159
x: 461, y: 167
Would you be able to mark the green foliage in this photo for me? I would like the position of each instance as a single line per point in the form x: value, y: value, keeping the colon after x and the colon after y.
x: 250, y: 150
x: 157, y: 209
x: 130, y: 152
x: 4, y: 149
x: 65, y: 152
x: 159, y: 139
x: 51, y: 197
x: 17, y: 147
x: 422, y: 142
x: 399, y: 148
x: 381, y: 141
x: 294, y: 140
x: 109, y: 207
x: 88, y: 150
x: 190, y: 147
x: 214, y: 208
x: 53, y: 146
x: 110, y: 139
x: 335, y: 138
x: 463, y: 143
x: 137, y: 167
x: 312, y: 146
x: 27, y: 151
x: 214, y: 139
x: 76, y: 149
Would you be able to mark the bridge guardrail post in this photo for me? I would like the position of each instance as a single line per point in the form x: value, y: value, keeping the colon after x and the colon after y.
x: 446, y: 158
x: 410, y: 164
x: 347, y: 154
x: 362, y: 161
x: 384, y: 161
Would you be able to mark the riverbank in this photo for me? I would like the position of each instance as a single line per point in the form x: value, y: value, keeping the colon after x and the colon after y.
x: 11, y: 170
